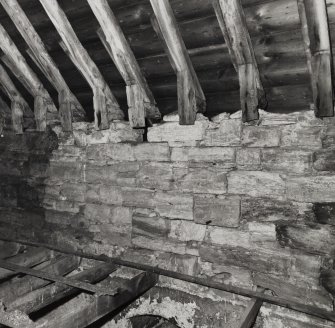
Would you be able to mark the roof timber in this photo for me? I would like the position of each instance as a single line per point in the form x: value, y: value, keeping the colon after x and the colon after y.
x: 19, y: 107
x: 106, y: 107
x: 315, y: 31
x: 140, y: 99
x: 234, y: 28
x: 191, y: 98
x: 42, y: 58
x: 17, y: 63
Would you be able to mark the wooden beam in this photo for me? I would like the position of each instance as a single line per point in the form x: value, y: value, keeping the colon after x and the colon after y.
x: 83, y: 310
x: 107, y: 109
x: 250, y: 314
x: 315, y: 31
x: 32, y: 256
x: 17, y: 287
x: 43, y: 297
x: 191, y: 98
x: 41, y: 56
x: 19, y: 107
x: 13, y: 57
x: 55, y: 278
x: 123, y: 57
x: 233, y: 24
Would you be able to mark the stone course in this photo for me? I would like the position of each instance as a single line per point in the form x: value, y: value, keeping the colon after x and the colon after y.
x: 238, y: 203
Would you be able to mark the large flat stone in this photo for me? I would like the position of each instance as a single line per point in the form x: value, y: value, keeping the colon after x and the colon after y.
x: 137, y: 197
x: 151, y: 227
x: 308, y: 137
x: 248, y: 158
x: 187, y: 231
x: 222, y: 155
x: 256, y: 184
x: 226, y: 133
x: 224, y: 212
x: 313, y: 189
x: 203, y: 181
x: 176, y: 134
x: 111, y: 195
x: 260, y: 136
x: 174, y: 205
x: 158, y: 152
x: 290, y: 161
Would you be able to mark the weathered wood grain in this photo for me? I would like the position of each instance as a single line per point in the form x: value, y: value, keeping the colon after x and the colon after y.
x: 118, y: 48
x: 84, y: 63
x: 315, y: 30
x: 191, y: 98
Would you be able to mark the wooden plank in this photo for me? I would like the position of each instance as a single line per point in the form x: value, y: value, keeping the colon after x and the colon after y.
x: 43, y: 297
x: 315, y: 30
x: 39, y: 52
x: 14, y: 288
x: 32, y: 256
x: 191, y: 98
x: 21, y: 69
x: 233, y: 24
x: 84, y: 63
x: 55, y: 278
x: 123, y: 57
x: 83, y: 310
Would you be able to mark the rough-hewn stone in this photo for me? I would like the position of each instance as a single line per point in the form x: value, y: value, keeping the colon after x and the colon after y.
x: 324, y: 160
x: 158, y: 152
x: 224, y: 212
x: 324, y: 213
x: 290, y: 161
x: 186, y: 231
x: 318, y: 189
x: 302, y: 137
x: 257, y: 136
x: 256, y: 184
x: 248, y: 158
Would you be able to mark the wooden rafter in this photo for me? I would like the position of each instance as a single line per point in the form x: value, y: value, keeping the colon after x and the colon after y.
x: 40, y: 55
x: 315, y: 31
x: 106, y: 107
x: 191, y: 98
x: 141, y: 101
x: 19, y: 107
x: 14, y: 59
x: 234, y: 28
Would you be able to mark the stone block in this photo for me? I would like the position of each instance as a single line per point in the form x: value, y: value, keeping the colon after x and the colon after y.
x: 174, y: 205
x: 116, y: 152
x: 318, y: 239
x: 224, y: 212
x: 187, y: 231
x: 152, y: 152
x: 290, y: 161
x: 260, y: 136
x: 178, y: 135
x: 313, y: 189
x: 308, y: 137
x: 248, y: 158
x: 222, y: 155
x: 137, y: 197
x: 226, y: 133
x: 73, y: 192
x: 111, y: 195
x: 155, y: 175
x: 324, y: 160
x: 110, y: 234
x: 203, y: 181
x: 256, y: 260
x: 256, y: 184
x: 229, y: 237
x: 272, y: 210
x: 151, y: 227
x: 66, y: 171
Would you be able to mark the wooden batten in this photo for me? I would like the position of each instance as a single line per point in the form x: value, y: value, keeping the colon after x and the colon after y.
x: 191, y: 98
x: 315, y: 31
x: 85, y: 64
x: 17, y: 63
x: 234, y: 28
x: 123, y: 57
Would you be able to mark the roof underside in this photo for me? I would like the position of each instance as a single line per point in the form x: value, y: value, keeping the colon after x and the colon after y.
x: 274, y: 27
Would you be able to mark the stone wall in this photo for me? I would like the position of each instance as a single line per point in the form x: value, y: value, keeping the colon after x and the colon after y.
x: 249, y: 205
